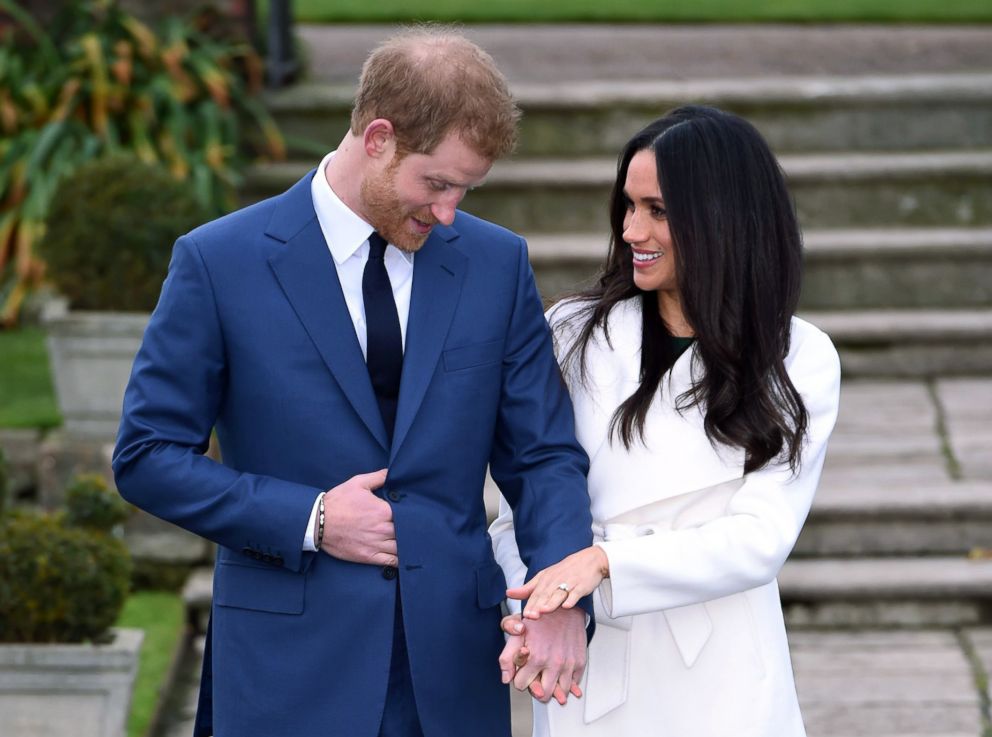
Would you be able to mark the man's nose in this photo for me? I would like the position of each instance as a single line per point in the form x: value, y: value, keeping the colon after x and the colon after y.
x: 444, y: 212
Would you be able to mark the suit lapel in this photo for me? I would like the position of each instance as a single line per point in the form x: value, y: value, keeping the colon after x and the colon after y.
x: 305, y: 271
x: 439, y: 270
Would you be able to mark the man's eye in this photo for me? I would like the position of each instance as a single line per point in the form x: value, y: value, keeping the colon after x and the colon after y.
x: 438, y: 186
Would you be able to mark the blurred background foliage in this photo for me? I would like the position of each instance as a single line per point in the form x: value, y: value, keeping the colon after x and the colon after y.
x: 110, y: 232
x: 94, y: 80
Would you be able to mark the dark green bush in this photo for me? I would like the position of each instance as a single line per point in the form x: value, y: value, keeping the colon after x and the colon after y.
x: 61, y: 581
x: 109, y: 235
x: 90, y: 503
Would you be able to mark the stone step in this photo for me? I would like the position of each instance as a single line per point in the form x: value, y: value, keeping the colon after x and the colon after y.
x: 845, y: 268
x: 887, y: 592
x: 840, y: 190
x: 865, y: 517
x: 909, y: 343
x: 796, y: 114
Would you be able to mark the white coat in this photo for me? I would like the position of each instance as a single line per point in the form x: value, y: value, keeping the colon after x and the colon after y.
x: 690, y: 639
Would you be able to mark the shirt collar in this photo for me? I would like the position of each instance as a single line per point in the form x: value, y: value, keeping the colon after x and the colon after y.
x: 344, y: 230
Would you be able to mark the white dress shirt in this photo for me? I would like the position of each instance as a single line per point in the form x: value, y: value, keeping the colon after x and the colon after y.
x: 347, y: 237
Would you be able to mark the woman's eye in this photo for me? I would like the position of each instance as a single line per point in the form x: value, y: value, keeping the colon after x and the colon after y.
x: 658, y: 212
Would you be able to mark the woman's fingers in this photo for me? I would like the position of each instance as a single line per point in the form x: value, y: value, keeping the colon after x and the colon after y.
x: 523, y: 592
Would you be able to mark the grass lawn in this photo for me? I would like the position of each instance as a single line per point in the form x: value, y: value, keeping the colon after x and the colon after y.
x: 27, y: 398
x: 160, y: 615
x: 625, y: 11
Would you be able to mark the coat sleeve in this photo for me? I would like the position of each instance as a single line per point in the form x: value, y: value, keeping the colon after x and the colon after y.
x: 536, y: 461
x: 506, y: 552
x: 747, y: 547
x: 170, y: 406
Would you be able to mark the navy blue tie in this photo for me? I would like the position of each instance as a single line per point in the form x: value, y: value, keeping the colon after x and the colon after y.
x: 384, y: 352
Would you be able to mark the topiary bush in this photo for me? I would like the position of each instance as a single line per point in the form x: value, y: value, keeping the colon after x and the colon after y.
x: 63, y: 575
x: 109, y: 235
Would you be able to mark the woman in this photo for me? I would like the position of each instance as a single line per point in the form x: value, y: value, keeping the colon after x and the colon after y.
x: 705, y: 408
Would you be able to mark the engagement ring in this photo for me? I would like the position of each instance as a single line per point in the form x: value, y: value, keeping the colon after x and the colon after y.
x: 564, y: 587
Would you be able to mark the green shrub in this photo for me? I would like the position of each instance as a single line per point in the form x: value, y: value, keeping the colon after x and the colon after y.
x: 63, y: 576
x: 109, y: 235
x: 91, y: 504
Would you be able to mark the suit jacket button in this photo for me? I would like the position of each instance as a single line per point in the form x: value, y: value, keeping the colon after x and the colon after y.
x: 388, y: 572
x: 394, y: 496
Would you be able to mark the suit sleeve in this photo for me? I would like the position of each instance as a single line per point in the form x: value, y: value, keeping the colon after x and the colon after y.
x: 747, y: 547
x: 536, y: 461
x: 170, y: 406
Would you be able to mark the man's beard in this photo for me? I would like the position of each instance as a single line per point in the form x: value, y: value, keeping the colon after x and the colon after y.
x: 386, y: 213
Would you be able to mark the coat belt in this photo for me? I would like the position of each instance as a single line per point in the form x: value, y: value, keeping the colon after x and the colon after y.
x: 608, y: 668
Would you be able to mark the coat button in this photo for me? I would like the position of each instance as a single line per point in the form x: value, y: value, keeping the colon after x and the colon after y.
x: 388, y: 573
x: 394, y: 496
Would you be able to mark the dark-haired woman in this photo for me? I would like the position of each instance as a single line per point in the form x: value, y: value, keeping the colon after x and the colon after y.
x: 705, y: 407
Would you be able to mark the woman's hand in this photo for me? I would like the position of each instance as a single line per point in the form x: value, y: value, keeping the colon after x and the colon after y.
x: 564, y: 583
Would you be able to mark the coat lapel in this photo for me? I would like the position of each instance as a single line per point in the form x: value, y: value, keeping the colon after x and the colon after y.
x: 305, y: 271
x: 439, y: 270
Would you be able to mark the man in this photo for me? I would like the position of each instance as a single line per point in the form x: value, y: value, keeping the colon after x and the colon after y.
x: 359, y: 391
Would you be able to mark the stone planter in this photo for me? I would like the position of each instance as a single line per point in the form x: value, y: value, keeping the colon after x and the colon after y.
x: 91, y: 355
x: 58, y: 690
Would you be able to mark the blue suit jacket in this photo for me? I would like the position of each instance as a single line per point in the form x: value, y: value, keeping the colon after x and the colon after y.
x: 252, y: 336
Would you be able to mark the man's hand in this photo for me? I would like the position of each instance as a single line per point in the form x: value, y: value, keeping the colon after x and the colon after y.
x: 515, y: 652
x: 358, y: 526
x: 556, y: 658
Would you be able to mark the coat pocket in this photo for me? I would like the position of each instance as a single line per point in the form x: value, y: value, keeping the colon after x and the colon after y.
x: 470, y: 356
x: 261, y: 589
x: 491, y: 585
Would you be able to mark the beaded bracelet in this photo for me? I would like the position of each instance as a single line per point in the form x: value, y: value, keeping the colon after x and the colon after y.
x: 320, y: 522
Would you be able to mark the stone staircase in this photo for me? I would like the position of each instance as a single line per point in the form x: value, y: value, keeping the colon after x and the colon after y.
x: 900, y: 532
x: 892, y: 176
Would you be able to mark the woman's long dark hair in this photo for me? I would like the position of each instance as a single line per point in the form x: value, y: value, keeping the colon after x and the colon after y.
x: 738, y: 258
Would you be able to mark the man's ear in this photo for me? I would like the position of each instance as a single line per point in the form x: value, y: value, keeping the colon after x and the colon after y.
x: 379, y: 139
